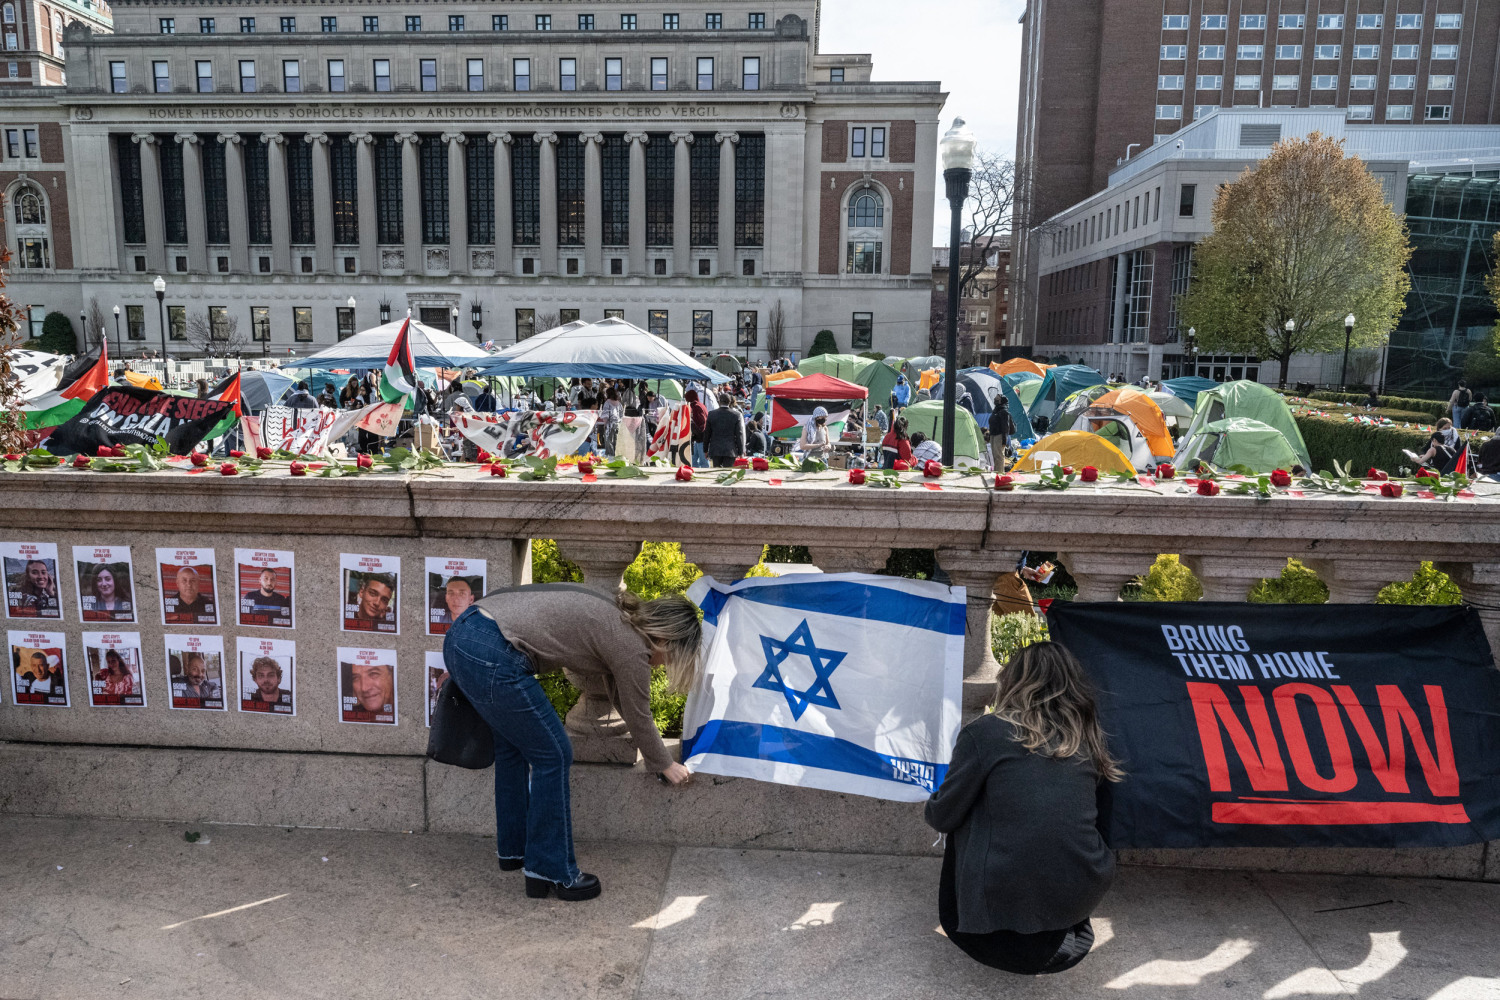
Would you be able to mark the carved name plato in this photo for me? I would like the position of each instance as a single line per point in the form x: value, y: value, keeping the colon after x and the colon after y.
x: 263, y: 112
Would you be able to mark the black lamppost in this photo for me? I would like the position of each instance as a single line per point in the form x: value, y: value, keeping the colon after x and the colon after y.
x: 1193, y: 349
x: 119, y: 348
x: 1344, y: 368
x: 476, y: 316
x: 83, y: 325
x: 957, y: 148
x: 160, y: 284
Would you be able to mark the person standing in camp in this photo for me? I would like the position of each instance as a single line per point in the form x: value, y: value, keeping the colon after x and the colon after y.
x: 1458, y: 403
x: 1000, y: 430
x: 610, y: 412
x: 724, y: 440
x: 900, y: 395
x: 699, y: 419
x: 881, y: 420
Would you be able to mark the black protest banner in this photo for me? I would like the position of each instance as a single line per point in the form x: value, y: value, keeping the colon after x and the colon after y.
x: 1244, y: 725
x: 124, y: 414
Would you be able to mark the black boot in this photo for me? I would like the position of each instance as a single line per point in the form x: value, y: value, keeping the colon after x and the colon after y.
x: 587, y: 887
x: 510, y: 864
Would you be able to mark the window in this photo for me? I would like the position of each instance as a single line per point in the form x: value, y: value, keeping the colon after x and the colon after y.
x: 372, y: 22
x: 525, y: 323
x: 750, y: 73
x: 1325, y: 82
x: 1403, y: 82
x: 382, y: 71
x: 329, y: 24
x: 866, y: 210
x: 567, y: 74
x: 713, y: 22
x: 302, y: 328
x: 1437, y: 82
x: 749, y: 193
x: 658, y: 74
x: 161, y: 76
x: 757, y: 22
x: 1408, y: 20
x: 1186, y: 201
x: 703, y: 328
x: 1398, y: 113
x: 343, y: 172
x: 247, y: 76
x: 1406, y: 51
x: 1200, y: 110
x: 205, y: 26
x: 1256, y: 52
x: 291, y: 76
x: 1169, y: 82
x: 1288, y: 52
x: 288, y: 25
x: 346, y: 322
x: 29, y: 208
x: 1209, y: 81
x: 1215, y: 22
x: 475, y: 74
x: 627, y: 22
x: 1443, y: 52
x: 1367, y: 51
x: 660, y: 178
x: 703, y: 192
x: 525, y: 194
x: 1174, y: 22
x: 877, y: 142
x: 205, y: 70
x: 1284, y: 82
x: 432, y: 165
x: 1439, y: 112
x: 1294, y: 21
x: 1252, y: 22
x: 135, y: 322
x: 705, y: 73
x: 656, y: 323
x: 1173, y: 52
x: 413, y: 22
x: 520, y: 74
x: 336, y: 76
x: 480, y: 163
x: 10, y: 14
x: 1447, y: 22
x: 861, y: 331
x: 1364, y: 82
x: 1361, y: 112
x: 167, y: 25
x: 455, y: 22
x: 117, y: 77
x: 1330, y: 22
x: 177, y: 322
x: 1210, y: 52
x: 613, y: 73
x: 1247, y: 83
x: 247, y: 25
x: 428, y: 70
x: 1370, y: 21
x: 836, y: 75
x: 544, y: 22
x: 857, y: 143
x: 260, y: 324
x: 1327, y: 51
x: 1169, y: 112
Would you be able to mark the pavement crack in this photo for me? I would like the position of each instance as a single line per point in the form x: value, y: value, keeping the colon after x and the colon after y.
x: 1255, y: 878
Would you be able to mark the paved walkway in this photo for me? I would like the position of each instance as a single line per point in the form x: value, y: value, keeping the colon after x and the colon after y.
x: 116, y: 909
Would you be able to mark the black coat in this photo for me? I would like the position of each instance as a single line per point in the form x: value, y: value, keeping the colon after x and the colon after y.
x: 1029, y: 854
x: 725, y: 435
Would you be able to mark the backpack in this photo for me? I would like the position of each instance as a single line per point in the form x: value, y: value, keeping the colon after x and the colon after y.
x: 1464, y: 397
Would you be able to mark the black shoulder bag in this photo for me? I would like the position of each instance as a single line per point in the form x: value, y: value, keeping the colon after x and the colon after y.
x: 459, y: 735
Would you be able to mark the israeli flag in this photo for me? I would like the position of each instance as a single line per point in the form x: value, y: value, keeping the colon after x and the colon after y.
x: 847, y: 682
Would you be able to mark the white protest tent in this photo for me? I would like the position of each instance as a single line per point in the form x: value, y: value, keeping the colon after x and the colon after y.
x: 430, y: 348
x: 610, y: 348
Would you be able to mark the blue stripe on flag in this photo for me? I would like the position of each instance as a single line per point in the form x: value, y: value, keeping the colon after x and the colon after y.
x: 793, y: 746
x: 850, y: 600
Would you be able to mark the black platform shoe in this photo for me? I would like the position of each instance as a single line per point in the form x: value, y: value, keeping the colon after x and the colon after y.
x: 510, y: 864
x: 587, y: 887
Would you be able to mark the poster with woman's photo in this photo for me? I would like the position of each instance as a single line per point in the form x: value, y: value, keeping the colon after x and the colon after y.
x: 452, y: 585
x: 367, y: 686
x: 31, y: 587
x: 113, y: 662
x: 106, y: 583
x: 437, y: 673
x: 188, y: 594
x: 265, y: 587
x: 268, y: 675
x: 195, y: 671
x: 38, y: 668
x: 371, y: 593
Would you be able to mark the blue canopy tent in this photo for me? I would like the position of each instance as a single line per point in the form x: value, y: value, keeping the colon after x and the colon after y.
x: 610, y: 348
x: 1058, y: 384
x: 1188, y: 387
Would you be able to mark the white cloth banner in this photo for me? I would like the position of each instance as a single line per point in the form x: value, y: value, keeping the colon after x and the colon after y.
x: 547, y: 434
x: 847, y: 682
x: 299, y: 431
x: 37, y: 370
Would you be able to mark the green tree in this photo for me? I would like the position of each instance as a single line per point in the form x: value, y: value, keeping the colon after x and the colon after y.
x: 1303, y: 238
x: 823, y: 343
x: 57, y: 334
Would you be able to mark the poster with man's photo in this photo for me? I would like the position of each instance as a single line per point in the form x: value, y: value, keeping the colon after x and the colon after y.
x: 437, y: 673
x: 38, y: 668
x: 113, y: 662
x: 188, y: 594
x: 371, y: 593
x: 367, y: 686
x: 452, y: 585
x: 268, y: 675
x: 265, y: 587
x: 195, y: 671
x: 31, y: 587
x: 106, y: 583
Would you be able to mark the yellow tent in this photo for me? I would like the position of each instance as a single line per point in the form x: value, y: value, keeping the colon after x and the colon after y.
x: 930, y: 377
x: 142, y: 381
x: 1018, y: 365
x: 1141, y: 408
x: 1077, y: 448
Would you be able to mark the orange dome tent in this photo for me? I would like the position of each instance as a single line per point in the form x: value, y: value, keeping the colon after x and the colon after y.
x: 1142, y: 409
x: 1018, y: 365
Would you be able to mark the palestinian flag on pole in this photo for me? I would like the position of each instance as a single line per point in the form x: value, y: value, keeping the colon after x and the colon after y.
x: 788, y: 416
x: 84, y: 376
x: 399, y: 379
x: 227, y: 391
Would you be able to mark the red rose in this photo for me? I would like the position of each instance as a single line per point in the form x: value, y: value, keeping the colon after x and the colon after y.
x: 1389, y: 489
x: 12, y: 457
x: 81, y: 461
x: 900, y: 466
x: 932, y: 468
x: 263, y: 453
x: 1377, y: 475
x: 1208, y: 488
x: 363, y: 461
x: 1005, y: 483
x: 1281, y: 477
x: 1427, y: 474
x: 1165, y: 471
x: 484, y: 457
x: 684, y: 473
x: 742, y: 463
x: 760, y: 464
x: 857, y: 477
x: 298, y: 469
x: 229, y: 469
x: 1067, y: 470
x: 105, y: 451
x: 1088, y: 474
x: 198, y: 458
x: 498, y: 470
x: 586, y: 468
x: 236, y: 454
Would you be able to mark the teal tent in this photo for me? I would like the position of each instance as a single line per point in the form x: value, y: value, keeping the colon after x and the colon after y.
x: 1188, y: 387
x: 1058, y: 384
x: 1238, y: 443
x: 1249, y: 400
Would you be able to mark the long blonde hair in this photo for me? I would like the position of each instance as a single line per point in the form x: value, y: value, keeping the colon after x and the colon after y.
x: 673, y: 623
x: 1045, y: 694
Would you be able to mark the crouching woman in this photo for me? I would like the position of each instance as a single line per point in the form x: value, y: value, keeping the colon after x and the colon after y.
x: 495, y: 649
x: 1025, y: 863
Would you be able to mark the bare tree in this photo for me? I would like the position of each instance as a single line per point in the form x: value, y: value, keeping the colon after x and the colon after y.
x: 97, y: 328
x: 776, y: 330
x: 545, y: 322
x: 937, y: 324
x: 210, y: 338
x: 988, y: 218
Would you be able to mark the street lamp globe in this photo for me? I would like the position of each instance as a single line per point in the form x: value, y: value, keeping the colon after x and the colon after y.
x: 957, y: 147
x: 160, y: 285
x: 1291, y: 325
x: 1349, y: 322
x: 351, y: 302
x: 117, y: 311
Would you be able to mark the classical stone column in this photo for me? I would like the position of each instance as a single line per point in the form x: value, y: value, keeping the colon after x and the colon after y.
x: 637, y: 141
x: 156, y: 231
x: 1100, y: 575
x: 504, y: 231
x: 547, y: 167
x: 977, y: 572
x: 725, y: 562
x: 281, y: 220
x: 369, y: 230
x: 1229, y: 578
x: 595, y: 728
x: 1357, y: 580
x: 192, y: 191
x: 322, y: 180
x: 458, y: 205
x: 239, y: 217
x: 682, y: 204
x: 411, y: 202
x: 593, y: 203
x: 726, y: 141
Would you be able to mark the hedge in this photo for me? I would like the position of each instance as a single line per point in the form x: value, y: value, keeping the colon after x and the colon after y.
x: 1432, y: 407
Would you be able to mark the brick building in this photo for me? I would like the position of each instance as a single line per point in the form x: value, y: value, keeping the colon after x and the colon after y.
x: 984, y: 303
x: 32, y: 34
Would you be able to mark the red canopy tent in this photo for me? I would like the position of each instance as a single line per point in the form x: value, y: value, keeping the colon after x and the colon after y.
x: 793, y: 402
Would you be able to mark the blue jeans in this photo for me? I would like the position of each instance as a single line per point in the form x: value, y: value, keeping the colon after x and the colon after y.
x: 533, y: 820
x: 700, y: 457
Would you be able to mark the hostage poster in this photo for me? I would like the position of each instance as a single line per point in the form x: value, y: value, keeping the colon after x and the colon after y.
x: 1247, y: 725
x: 452, y: 585
x: 38, y: 668
x: 112, y: 661
x: 371, y: 593
x: 188, y: 594
x: 31, y: 589
x: 265, y: 585
x: 123, y: 414
x: 367, y: 686
x: 106, y: 583
x: 195, y: 671
x: 267, y: 675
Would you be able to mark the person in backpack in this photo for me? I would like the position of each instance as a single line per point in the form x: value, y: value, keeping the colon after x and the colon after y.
x: 1480, y: 417
x: 699, y: 415
x: 1000, y: 430
x: 1458, y: 403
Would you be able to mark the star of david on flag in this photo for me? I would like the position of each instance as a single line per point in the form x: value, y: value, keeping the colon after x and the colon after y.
x: 847, y: 682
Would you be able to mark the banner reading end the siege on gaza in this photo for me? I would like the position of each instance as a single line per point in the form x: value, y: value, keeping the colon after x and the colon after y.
x: 123, y: 414
x: 1245, y: 725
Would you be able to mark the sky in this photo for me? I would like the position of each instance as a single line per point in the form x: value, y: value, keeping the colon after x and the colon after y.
x: 971, y: 47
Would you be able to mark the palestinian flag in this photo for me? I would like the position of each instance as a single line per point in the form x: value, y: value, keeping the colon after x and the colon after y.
x: 788, y: 416
x: 81, y: 379
x: 399, y: 379
x: 227, y: 391
x: 1462, y: 468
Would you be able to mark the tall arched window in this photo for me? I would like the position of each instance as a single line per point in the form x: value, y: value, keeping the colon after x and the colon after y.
x: 30, y: 210
x: 9, y: 15
x: 33, y: 244
x: 45, y: 19
x: 57, y: 34
x: 866, y: 210
x: 865, y: 236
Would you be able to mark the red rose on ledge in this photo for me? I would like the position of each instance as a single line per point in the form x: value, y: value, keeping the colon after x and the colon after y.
x: 1067, y: 470
x: 742, y: 463
x: 1281, y: 477
x: 12, y: 457
x: 484, y: 457
x: 857, y: 477
x: 298, y: 469
x: 1005, y: 483
x: 760, y: 464
x: 263, y: 453
x: 684, y: 473
x: 900, y: 466
x: 1208, y: 488
x: 932, y: 468
x: 585, y: 468
x: 1377, y: 475
x: 498, y: 470
x: 1165, y: 471
x: 1088, y: 474
x: 1389, y: 489
x: 228, y: 469
x: 236, y: 454
x: 363, y: 461
x: 1427, y: 474
x: 199, y: 459
x: 81, y: 461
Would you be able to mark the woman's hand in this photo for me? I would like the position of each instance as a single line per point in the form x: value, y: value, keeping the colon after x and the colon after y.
x: 676, y: 774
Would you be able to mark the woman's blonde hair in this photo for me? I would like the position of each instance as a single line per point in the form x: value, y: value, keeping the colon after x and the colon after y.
x: 673, y: 623
x: 1045, y: 694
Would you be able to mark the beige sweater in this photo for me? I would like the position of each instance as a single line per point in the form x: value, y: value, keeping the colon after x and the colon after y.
x: 559, y: 625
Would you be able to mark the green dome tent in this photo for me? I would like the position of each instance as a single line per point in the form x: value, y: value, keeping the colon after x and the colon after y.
x: 1238, y: 443
x: 875, y: 376
x: 927, y: 417
x: 1252, y: 401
